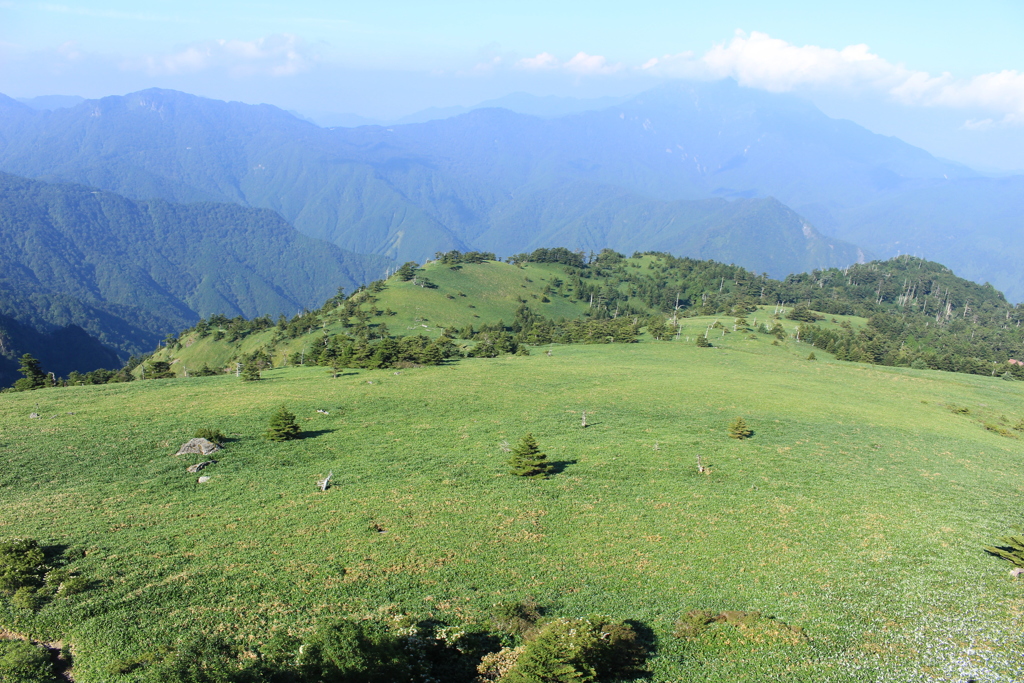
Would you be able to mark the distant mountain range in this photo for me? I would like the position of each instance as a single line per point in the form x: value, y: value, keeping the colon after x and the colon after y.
x: 405, y: 192
x: 548, y: 106
x: 209, y: 192
x: 127, y: 272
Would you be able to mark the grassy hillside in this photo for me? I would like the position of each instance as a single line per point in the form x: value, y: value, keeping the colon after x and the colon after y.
x: 897, y: 312
x: 472, y: 294
x: 856, y: 512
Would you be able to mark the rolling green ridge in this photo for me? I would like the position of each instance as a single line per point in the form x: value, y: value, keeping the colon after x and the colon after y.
x: 129, y: 272
x: 900, y: 312
x: 856, y: 512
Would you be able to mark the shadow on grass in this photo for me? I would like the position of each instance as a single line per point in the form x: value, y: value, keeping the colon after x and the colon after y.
x: 53, y: 553
x: 559, y: 466
x: 314, y: 433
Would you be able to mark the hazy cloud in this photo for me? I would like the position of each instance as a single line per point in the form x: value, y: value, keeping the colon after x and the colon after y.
x: 543, y: 61
x: 583, y: 63
x: 580, y: 64
x: 760, y: 61
x: 277, y: 55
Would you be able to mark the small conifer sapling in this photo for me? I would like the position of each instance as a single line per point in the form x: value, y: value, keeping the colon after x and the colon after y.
x: 739, y: 429
x: 527, y: 460
x: 282, y: 426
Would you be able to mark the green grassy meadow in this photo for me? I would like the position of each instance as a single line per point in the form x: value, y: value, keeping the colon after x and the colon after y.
x: 856, y: 512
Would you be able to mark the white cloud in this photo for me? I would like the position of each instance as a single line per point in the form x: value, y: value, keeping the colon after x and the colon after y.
x: 277, y: 55
x: 542, y: 62
x: 760, y: 61
x: 581, y: 64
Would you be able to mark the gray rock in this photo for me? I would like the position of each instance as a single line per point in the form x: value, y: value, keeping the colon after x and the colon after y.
x: 34, y: 416
x: 198, y: 446
x: 192, y: 469
x: 203, y: 480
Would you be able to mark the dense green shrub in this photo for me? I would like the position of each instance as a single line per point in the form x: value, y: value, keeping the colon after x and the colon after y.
x: 74, y: 585
x: 517, y: 618
x: 21, y: 563
x: 27, y: 597
x: 349, y: 651
x: 200, y: 659
x: 804, y: 314
x: 23, y: 662
x: 580, y: 651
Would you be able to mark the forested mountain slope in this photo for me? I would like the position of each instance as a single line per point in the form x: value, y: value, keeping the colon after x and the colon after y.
x: 129, y: 272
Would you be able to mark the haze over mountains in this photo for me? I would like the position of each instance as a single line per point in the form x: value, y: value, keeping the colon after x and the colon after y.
x: 492, y: 179
x: 180, y: 226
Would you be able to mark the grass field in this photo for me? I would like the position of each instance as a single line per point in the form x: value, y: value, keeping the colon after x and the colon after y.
x: 856, y: 512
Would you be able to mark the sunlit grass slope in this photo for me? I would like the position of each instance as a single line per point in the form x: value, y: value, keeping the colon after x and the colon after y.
x: 857, y: 511
x: 471, y: 294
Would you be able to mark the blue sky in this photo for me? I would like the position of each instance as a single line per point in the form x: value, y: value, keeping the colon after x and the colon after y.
x: 948, y: 76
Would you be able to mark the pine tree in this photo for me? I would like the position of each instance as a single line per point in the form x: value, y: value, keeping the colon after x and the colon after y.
x: 250, y: 372
x: 739, y: 429
x: 282, y: 426
x: 528, y: 461
x: 206, y: 371
x: 812, y: 356
x: 407, y: 271
x: 159, y: 369
x: 702, y: 341
x: 33, y: 371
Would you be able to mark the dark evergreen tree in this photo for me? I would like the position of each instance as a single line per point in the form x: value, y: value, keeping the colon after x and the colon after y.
x: 702, y: 341
x: 250, y: 372
x: 282, y: 426
x: 206, y: 371
x: 407, y: 271
x: 527, y: 460
x: 34, y: 377
x: 159, y: 369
